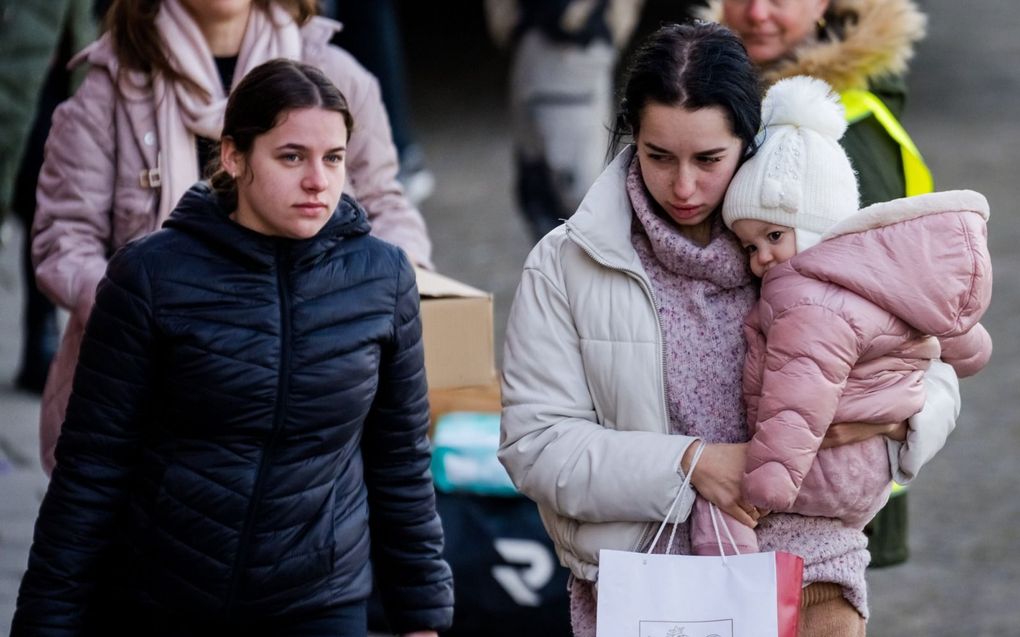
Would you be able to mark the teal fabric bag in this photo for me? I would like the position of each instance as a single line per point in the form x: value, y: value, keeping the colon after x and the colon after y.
x: 464, y: 447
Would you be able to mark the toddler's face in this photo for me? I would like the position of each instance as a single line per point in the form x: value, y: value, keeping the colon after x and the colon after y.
x: 767, y: 244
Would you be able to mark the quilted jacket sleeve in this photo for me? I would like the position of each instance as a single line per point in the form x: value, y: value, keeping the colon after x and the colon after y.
x: 551, y: 443
x: 810, y: 353
x: 71, y: 231
x: 969, y: 352
x: 407, y: 537
x: 96, y: 452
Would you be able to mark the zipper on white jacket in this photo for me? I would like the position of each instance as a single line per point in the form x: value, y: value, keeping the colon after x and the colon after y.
x: 578, y: 240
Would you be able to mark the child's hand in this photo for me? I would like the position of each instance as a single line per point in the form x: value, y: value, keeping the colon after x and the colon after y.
x: 845, y: 433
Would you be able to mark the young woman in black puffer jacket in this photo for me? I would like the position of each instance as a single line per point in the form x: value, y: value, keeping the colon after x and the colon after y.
x: 248, y: 421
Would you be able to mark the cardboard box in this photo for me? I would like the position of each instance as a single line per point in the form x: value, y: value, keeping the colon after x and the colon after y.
x: 457, y: 330
x: 477, y: 398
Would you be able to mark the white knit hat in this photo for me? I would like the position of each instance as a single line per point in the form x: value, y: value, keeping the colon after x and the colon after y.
x: 800, y: 176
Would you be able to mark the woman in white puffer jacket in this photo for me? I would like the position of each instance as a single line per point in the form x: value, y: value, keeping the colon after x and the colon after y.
x: 624, y: 342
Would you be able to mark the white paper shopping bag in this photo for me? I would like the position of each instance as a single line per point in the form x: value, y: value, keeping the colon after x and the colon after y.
x: 649, y: 595
x: 753, y: 595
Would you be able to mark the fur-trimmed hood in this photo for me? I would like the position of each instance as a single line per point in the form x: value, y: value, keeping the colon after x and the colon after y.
x: 877, y: 41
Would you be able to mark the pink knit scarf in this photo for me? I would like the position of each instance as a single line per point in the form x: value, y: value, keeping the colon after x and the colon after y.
x: 182, y: 114
x: 704, y: 293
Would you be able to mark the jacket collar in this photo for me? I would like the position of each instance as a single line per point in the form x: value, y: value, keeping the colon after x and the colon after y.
x: 316, y: 35
x: 602, y: 223
x: 201, y: 215
x: 878, y: 42
x: 131, y: 84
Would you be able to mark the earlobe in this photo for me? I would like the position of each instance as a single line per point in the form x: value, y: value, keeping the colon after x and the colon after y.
x: 230, y: 157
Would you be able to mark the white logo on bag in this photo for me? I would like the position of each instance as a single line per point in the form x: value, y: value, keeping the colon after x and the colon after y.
x: 716, y: 628
x: 522, y: 583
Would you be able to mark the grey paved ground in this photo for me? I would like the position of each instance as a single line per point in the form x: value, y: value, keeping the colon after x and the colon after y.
x: 964, y: 575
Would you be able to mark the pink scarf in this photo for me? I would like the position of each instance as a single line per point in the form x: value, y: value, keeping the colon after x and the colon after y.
x: 181, y: 115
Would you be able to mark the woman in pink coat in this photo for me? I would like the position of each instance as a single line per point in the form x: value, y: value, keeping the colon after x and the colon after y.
x: 148, y: 116
x: 854, y: 307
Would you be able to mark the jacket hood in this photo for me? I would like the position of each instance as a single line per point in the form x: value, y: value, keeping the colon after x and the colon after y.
x: 924, y: 259
x: 201, y: 214
x: 877, y: 42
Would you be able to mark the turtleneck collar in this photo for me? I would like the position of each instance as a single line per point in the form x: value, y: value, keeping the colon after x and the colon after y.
x: 722, y: 262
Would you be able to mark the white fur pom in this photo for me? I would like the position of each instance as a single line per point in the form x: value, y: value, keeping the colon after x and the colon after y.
x: 806, y: 102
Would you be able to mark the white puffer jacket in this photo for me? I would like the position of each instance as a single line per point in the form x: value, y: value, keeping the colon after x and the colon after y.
x: 585, y: 425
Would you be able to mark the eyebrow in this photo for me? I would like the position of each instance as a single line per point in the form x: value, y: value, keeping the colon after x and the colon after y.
x: 710, y: 151
x: 302, y: 147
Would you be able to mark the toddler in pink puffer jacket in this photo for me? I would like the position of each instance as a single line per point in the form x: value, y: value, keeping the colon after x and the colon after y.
x: 854, y: 306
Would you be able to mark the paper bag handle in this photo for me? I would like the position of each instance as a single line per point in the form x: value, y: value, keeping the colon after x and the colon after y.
x: 713, y: 512
x: 676, y: 501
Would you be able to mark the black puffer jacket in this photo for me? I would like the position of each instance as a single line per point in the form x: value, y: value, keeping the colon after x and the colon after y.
x: 245, y: 409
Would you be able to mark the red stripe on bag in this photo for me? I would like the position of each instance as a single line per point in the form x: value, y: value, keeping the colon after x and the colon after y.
x: 789, y: 584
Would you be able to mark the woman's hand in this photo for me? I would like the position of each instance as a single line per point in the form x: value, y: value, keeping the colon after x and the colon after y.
x: 717, y: 478
x: 845, y: 433
x: 421, y: 633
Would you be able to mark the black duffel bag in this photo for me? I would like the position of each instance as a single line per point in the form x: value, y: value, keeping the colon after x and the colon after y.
x: 507, y: 581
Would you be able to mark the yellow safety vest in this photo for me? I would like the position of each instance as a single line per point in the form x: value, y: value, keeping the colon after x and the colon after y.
x: 858, y: 105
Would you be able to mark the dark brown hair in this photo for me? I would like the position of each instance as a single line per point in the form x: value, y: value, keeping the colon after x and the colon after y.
x: 267, y: 93
x: 137, y: 42
x: 694, y: 65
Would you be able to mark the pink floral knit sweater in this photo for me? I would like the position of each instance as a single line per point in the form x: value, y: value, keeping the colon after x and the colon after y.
x: 703, y: 295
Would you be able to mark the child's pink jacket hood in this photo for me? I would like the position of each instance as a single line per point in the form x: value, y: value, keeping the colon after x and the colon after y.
x: 846, y: 324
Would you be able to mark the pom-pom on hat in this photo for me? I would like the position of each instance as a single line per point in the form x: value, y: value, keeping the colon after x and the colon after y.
x: 800, y: 177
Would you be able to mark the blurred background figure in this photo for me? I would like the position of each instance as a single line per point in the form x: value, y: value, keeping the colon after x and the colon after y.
x: 862, y: 49
x: 372, y: 34
x: 37, y: 39
x: 563, y: 56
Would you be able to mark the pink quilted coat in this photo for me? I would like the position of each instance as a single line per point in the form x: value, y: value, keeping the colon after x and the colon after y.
x: 91, y: 200
x: 841, y: 334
